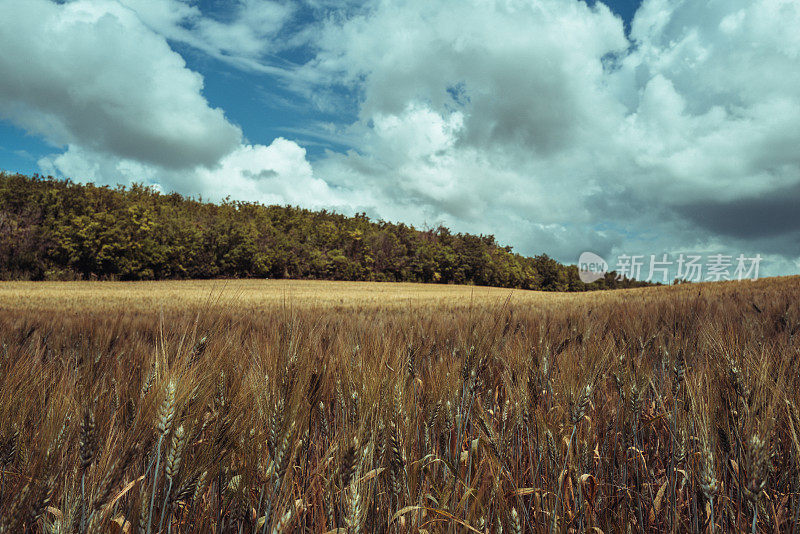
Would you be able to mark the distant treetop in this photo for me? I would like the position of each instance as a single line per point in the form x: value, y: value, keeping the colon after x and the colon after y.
x: 57, y: 229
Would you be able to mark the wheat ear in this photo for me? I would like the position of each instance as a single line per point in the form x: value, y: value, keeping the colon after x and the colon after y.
x: 166, y: 413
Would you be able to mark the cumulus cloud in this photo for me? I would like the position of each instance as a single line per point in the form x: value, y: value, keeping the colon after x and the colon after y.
x: 245, y: 38
x: 527, y: 70
x: 473, y: 114
x: 89, y: 73
x: 278, y: 173
x: 274, y: 174
x: 719, y: 108
x: 557, y: 132
x: 716, y: 119
x: 94, y: 77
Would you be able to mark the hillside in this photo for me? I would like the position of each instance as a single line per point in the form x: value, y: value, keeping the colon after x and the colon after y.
x: 60, y: 230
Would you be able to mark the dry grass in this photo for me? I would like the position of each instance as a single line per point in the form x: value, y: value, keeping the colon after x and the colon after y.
x: 177, y: 295
x: 80, y: 297
x: 311, y: 406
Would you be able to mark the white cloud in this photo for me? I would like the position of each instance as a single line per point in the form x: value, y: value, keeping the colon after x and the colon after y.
x: 91, y: 76
x: 89, y: 73
x: 719, y: 104
x: 274, y: 174
x: 568, y: 135
x: 245, y: 38
x: 488, y: 116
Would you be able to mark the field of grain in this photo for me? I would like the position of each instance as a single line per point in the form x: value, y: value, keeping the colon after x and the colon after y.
x: 280, y: 406
x: 250, y: 294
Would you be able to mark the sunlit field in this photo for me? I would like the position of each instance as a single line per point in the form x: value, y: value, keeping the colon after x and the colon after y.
x: 256, y: 294
x: 298, y: 406
x: 266, y: 295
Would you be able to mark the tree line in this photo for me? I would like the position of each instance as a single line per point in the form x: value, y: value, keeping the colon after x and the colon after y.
x: 53, y: 229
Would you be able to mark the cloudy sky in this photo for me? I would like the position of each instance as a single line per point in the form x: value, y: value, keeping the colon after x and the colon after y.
x: 559, y: 126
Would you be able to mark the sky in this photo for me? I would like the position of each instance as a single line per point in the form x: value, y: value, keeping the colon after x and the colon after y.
x: 559, y: 126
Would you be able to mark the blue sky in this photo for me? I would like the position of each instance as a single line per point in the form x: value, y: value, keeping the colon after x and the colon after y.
x: 627, y: 127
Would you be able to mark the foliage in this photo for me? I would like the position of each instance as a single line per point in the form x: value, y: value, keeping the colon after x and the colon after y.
x: 52, y: 229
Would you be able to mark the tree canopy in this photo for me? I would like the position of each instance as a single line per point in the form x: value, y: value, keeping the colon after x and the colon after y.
x: 57, y: 229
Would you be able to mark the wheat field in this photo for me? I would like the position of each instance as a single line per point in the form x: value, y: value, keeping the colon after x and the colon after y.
x: 259, y: 294
x: 277, y: 406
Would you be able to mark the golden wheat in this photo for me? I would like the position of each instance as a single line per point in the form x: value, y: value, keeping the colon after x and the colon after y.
x: 437, y: 410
